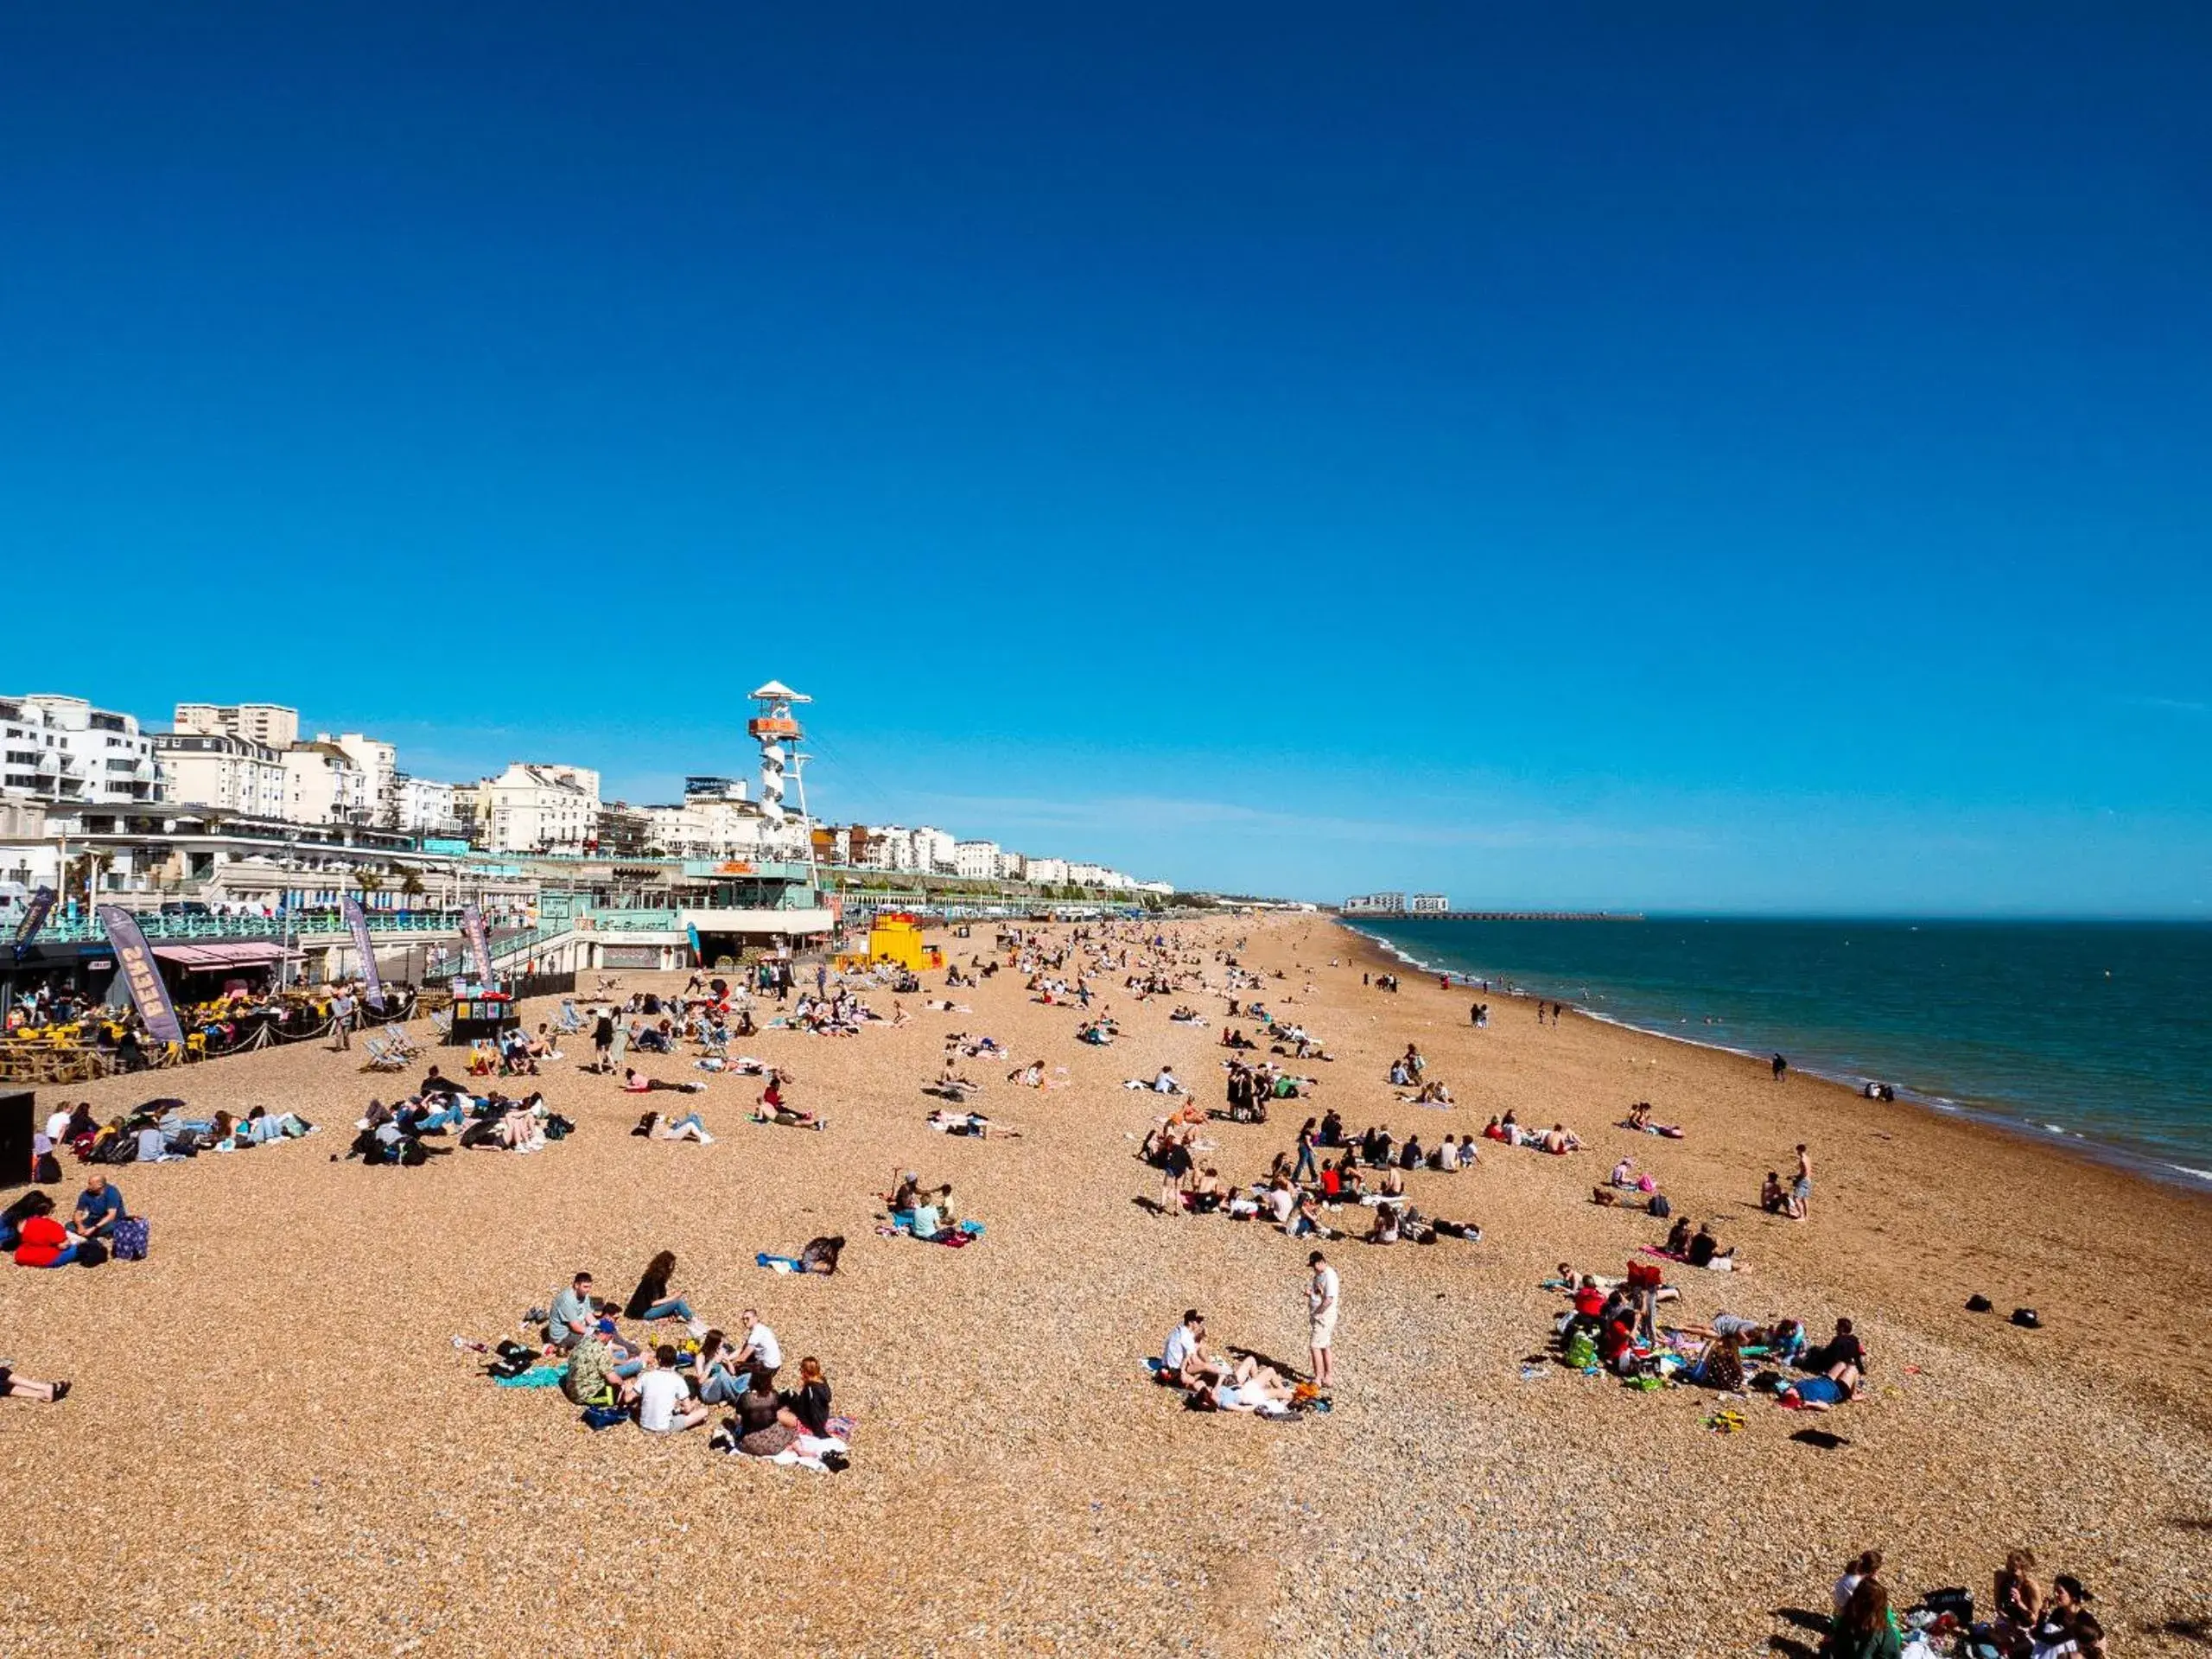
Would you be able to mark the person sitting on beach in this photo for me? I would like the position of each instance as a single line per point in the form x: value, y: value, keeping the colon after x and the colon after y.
x: 1400, y: 1076
x: 762, y: 1354
x: 1386, y: 1225
x: 1704, y: 1251
x: 100, y: 1206
x: 1865, y: 1629
x: 573, y: 1314
x: 1030, y: 1075
x: 1280, y: 1200
x: 1208, y: 1193
x: 1624, y: 1174
x: 2018, y: 1599
x: 1164, y: 1082
x: 1559, y: 1140
x: 664, y: 1403
x: 1185, y: 1360
x: 651, y: 1300
x: 595, y: 1375
x: 1307, y: 1222
x: 1772, y: 1200
x: 775, y: 1108
x: 1843, y: 1348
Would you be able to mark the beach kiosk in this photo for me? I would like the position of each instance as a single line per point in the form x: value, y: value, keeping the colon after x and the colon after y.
x: 486, y: 1011
x: 895, y: 936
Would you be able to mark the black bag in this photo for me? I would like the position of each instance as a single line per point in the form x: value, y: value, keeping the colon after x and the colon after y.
x: 1660, y: 1208
x: 558, y: 1127
x: 92, y: 1254
x: 47, y: 1170
x: 1979, y: 1303
x: 411, y: 1155
x: 2027, y: 1318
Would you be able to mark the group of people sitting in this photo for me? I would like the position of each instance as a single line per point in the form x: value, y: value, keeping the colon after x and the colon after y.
x: 100, y: 1227
x: 1212, y: 1381
x: 1557, y: 1140
x: 1613, y: 1324
x: 670, y: 1387
x: 926, y: 1212
x: 2028, y: 1621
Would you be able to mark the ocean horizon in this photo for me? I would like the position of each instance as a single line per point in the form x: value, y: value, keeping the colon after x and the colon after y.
x: 2094, y: 1034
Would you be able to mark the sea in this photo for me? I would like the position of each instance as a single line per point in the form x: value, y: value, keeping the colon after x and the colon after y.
x: 2095, y: 1034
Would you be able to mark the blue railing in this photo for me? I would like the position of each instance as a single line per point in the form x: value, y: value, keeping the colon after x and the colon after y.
x: 155, y: 925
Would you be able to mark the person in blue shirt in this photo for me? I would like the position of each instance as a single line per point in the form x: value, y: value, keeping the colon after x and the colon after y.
x: 100, y: 1206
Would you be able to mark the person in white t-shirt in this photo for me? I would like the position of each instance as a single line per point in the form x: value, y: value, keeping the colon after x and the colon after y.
x: 1322, y: 1294
x: 1184, y: 1359
x: 57, y: 1125
x: 762, y: 1355
x: 665, y: 1405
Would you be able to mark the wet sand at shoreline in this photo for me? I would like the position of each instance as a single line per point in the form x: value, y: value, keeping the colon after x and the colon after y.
x: 273, y: 1446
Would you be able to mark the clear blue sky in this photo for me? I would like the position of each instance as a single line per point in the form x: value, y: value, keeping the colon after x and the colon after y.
x: 1740, y: 458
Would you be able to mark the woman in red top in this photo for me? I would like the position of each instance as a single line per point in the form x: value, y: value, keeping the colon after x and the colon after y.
x: 45, y: 1243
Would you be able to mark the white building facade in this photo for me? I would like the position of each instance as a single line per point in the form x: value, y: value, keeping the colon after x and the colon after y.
x: 323, y: 786
x: 379, y: 764
x: 64, y: 751
x: 216, y: 769
x: 425, y: 807
x: 529, y: 808
x: 975, y: 860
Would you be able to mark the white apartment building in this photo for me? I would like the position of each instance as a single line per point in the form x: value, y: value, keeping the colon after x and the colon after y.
x: 531, y: 809
x: 424, y: 806
x: 936, y: 852
x: 1429, y: 904
x: 216, y: 769
x: 323, y: 786
x: 379, y: 764
x: 64, y: 751
x: 975, y: 860
x: 1049, y: 872
x: 268, y: 723
x: 709, y: 827
x: 1011, y: 867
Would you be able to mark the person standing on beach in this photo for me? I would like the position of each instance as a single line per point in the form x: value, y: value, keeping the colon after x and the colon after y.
x: 1322, y: 1295
x: 602, y: 1040
x: 1801, y: 1190
x: 1780, y: 1068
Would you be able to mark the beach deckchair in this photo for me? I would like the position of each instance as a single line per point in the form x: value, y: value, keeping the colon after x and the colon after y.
x: 381, y: 1058
x: 442, y: 1022
x: 398, y: 1042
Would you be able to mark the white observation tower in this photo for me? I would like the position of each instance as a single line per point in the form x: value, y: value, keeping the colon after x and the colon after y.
x: 777, y: 730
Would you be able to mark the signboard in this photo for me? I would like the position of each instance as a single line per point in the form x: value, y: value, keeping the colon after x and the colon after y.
x: 734, y: 866
x: 358, y: 924
x: 635, y: 957
x: 141, y: 973
x: 480, y: 947
x: 34, y: 915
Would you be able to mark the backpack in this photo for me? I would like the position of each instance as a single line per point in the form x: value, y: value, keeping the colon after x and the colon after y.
x: 1660, y: 1208
x: 599, y: 1417
x: 46, y: 1170
x: 130, y: 1238
x: 558, y: 1127
x: 92, y: 1254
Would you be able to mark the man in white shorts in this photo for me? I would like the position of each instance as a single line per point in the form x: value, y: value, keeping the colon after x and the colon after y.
x: 1321, y: 1297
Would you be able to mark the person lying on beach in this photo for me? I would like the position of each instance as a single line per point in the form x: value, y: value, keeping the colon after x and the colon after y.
x: 1096, y: 1034
x: 656, y: 1126
x: 1252, y: 1386
x: 16, y: 1386
x: 971, y: 1123
x: 635, y: 1082
x: 938, y: 1005
x: 1836, y: 1386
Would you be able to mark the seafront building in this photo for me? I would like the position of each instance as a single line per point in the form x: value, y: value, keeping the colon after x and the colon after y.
x: 236, y: 842
x: 63, y: 751
x: 1429, y: 904
x: 1374, y: 903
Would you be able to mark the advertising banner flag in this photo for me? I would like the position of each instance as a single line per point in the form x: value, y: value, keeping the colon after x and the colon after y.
x: 358, y: 924
x: 34, y: 915
x: 479, y: 946
x: 134, y: 960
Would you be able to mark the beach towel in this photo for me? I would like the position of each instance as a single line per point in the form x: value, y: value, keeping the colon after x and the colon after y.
x: 540, y: 1377
x: 779, y: 1263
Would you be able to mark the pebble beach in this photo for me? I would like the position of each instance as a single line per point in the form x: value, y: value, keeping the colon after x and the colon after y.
x: 274, y: 1446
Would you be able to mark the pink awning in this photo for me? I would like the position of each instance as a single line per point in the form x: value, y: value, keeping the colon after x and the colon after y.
x: 234, y: 954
